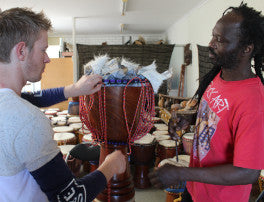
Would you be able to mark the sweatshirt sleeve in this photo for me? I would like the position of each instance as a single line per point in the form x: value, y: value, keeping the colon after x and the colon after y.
x: 45, y: 98
x: 58, y: 183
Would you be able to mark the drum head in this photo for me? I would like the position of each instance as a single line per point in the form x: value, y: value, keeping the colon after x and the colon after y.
x: 161, y: 137
x: 160, y: 126
x: 188, y: 136
x: 87, y: 138
x: 184, y: 161
x: 161, y: 132
x: 147, y: 139
x: 168, y: 143
x: 63, y: 136
x: 65, y: 149
x: 63, y: 129
x: 262, y: 173
x: 74, y: 119
x: 76, y: 126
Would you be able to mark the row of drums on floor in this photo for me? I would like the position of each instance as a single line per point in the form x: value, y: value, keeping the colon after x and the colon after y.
x: 68, y: 132
x: 149, y: 152
x: 156, y: 149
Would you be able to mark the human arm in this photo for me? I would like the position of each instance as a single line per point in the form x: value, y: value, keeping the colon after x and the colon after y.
x: 45, y: 98
x: 228, y: 175
x: 56, y: 180
x: 86, y: 85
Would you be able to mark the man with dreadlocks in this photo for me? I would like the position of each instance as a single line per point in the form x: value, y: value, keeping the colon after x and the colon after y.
x: 228, y: 144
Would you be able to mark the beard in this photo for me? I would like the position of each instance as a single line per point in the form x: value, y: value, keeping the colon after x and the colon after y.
x: 228, y: 60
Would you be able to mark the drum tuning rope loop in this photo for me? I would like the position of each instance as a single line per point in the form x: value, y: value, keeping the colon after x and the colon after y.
x: 109, y: 191
x: 102, y: 113
x: 146, y: 104
x: 84, y: 109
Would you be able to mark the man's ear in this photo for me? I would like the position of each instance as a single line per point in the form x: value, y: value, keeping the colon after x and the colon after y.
x: 248, y: 49
x: 21, y: 50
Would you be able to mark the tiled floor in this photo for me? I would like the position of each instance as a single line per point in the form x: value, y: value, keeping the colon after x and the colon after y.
x: 150, y: 195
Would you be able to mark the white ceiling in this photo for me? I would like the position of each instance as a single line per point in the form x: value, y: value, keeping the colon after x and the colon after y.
x: 104, y: 16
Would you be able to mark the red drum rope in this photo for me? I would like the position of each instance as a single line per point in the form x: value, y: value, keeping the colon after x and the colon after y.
x: 146, y: 105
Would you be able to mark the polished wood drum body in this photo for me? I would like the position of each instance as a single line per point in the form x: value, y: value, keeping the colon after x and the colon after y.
x: 107, y: 111
x: 116, y: 125
x: 143, y: 157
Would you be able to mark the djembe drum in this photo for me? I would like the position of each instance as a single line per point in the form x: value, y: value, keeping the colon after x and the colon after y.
x: 187, y: 141
x: 174, y: 192
x: 117, y: 116
x: 166, y: 149
x: 143, y: 153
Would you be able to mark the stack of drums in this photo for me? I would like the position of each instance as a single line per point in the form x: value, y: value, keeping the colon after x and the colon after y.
x: 187, y: 141
x: 175, y: 191
x: 65, y: 127
x: 143, y: 151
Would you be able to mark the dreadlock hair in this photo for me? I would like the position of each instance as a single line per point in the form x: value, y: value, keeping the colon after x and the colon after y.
x: 251, y: 32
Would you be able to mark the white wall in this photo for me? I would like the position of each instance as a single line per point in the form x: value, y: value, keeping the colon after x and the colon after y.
x: 177, y: 59
x: 113, y: 39
x: 196, y: 28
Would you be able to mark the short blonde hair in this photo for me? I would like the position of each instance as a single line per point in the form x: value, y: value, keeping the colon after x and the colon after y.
x: 20, y: 24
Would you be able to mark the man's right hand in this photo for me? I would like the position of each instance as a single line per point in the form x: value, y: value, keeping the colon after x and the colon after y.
x: 86, y: 85
x: 114, y: 163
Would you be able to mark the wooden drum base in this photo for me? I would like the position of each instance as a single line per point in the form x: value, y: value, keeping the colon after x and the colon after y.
x: 121, y: 186
x: 141, y: 179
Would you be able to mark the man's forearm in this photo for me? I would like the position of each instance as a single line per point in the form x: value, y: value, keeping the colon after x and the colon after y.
x: 219, y: 175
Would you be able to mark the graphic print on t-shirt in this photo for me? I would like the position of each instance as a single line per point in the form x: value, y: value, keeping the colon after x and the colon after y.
x: 206, y: 125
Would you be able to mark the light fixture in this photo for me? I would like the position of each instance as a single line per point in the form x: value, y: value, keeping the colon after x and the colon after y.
x: 122, y: 27
x: 123, y: 7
